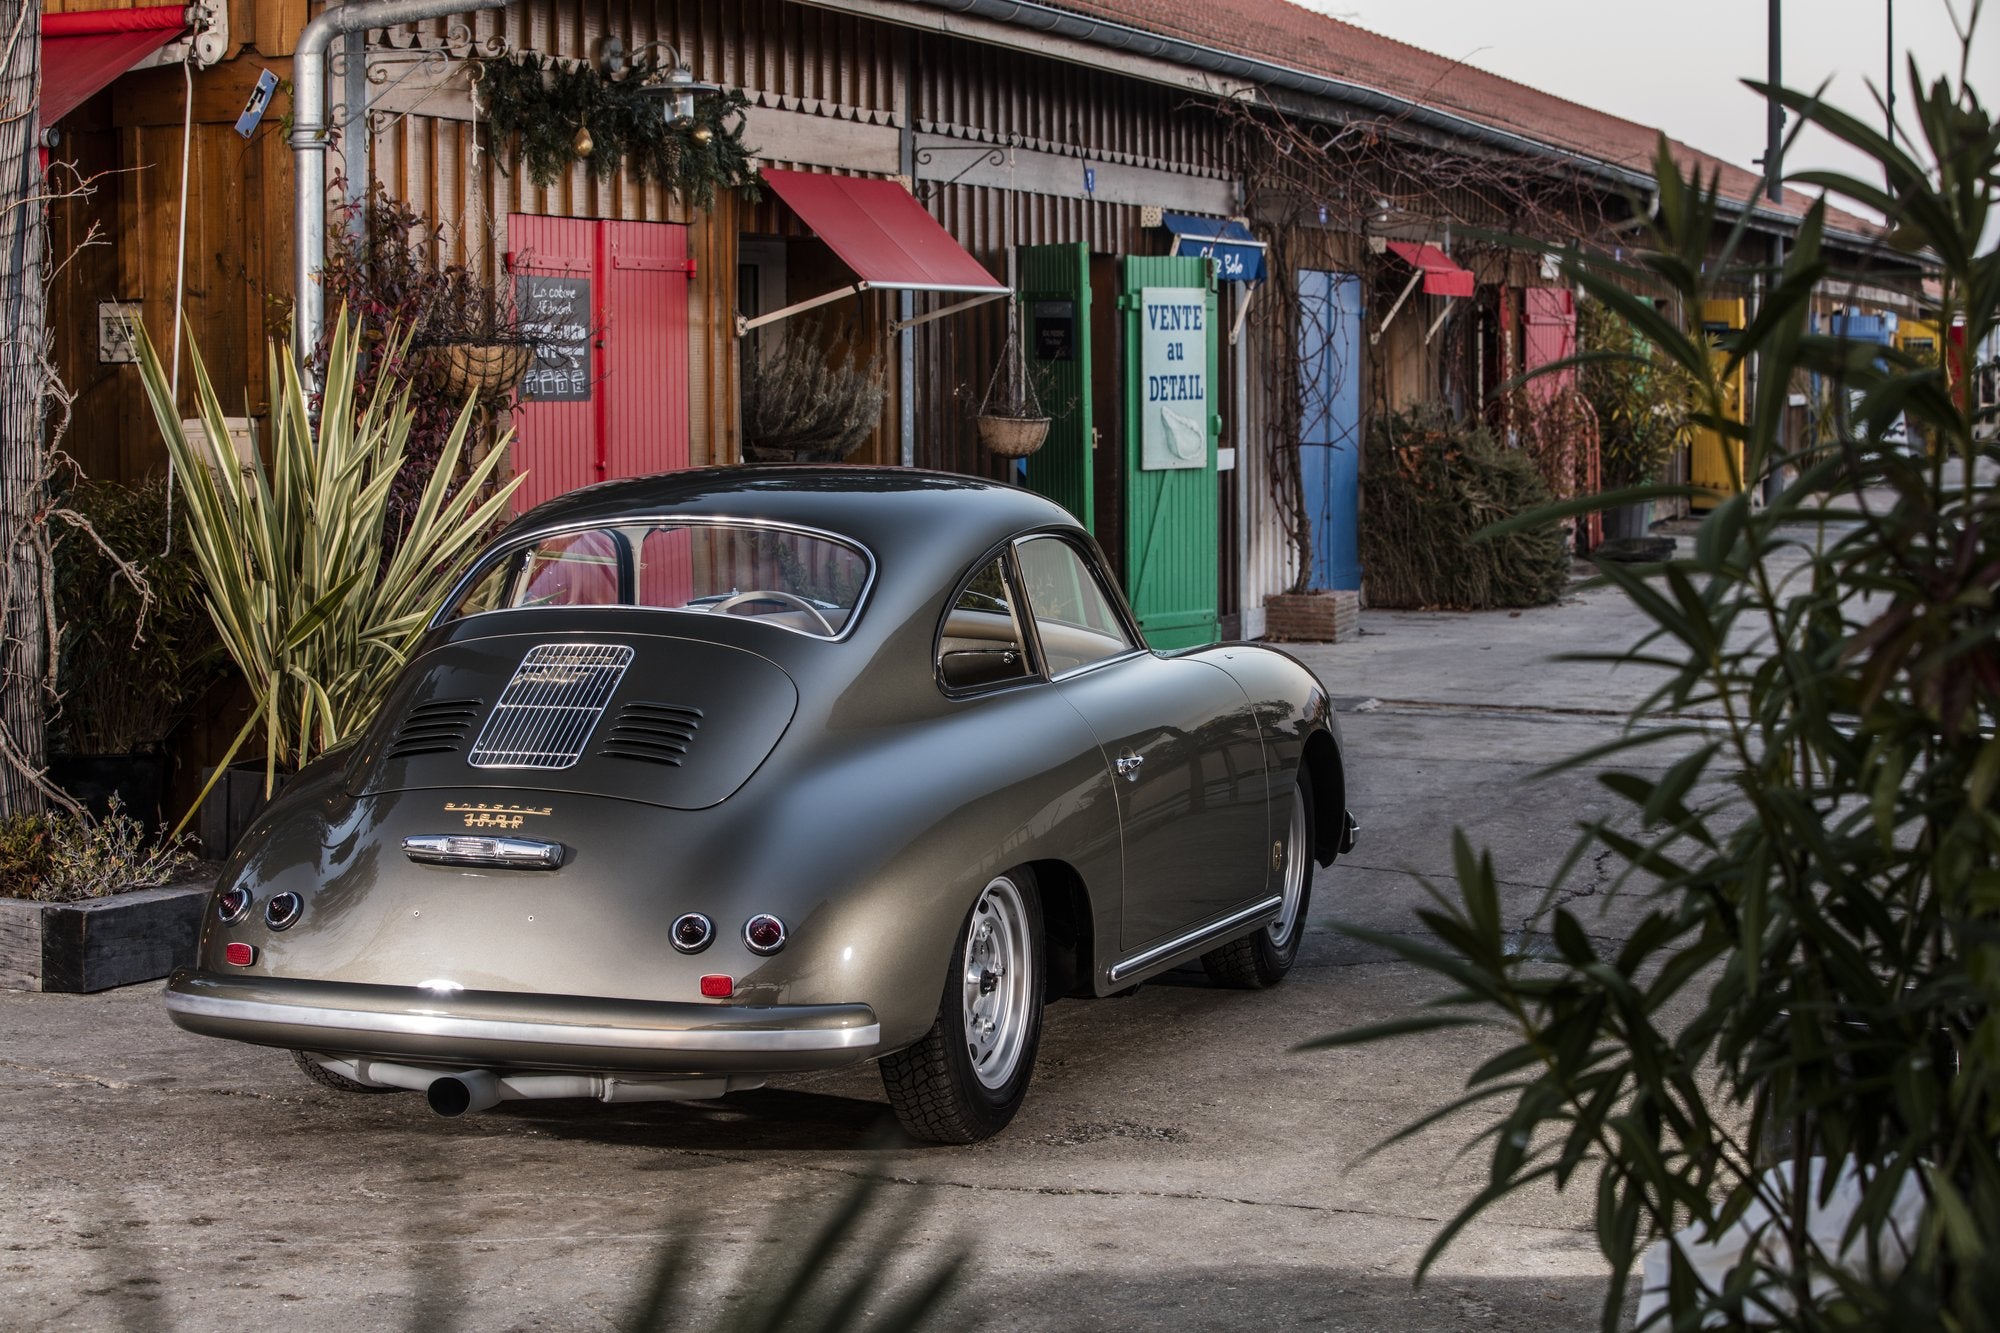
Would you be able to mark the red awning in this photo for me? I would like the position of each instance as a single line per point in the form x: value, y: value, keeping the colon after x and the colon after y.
x: 881, y: 233
x: 1441, y: 276
x: 83, y: 52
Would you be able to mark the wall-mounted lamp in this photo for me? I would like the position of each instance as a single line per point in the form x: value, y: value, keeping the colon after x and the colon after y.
x: 678, y: 91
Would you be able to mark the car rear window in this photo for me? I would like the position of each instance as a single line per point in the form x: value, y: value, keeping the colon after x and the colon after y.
x: 806, y: 582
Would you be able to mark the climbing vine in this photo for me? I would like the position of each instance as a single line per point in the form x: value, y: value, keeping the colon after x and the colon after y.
x: 565, y: 112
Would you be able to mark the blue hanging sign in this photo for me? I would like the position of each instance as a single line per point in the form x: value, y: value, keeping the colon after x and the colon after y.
x: 1238, y: 255
x: 260, y: 100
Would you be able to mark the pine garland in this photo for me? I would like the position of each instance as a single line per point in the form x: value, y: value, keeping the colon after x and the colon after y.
x: 545, y: 101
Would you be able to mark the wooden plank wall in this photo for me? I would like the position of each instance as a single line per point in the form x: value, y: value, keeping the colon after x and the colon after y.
x: 123, y: 151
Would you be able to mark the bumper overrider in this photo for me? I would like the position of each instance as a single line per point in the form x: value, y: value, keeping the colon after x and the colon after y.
x: 506, y: 1030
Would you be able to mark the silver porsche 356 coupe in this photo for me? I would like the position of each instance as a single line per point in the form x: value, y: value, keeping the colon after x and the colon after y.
x: 717, y: 775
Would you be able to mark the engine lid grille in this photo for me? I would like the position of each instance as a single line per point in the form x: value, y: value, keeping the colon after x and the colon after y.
x: 550, y: 706
x: 653, y: 733
x: 437, y: 727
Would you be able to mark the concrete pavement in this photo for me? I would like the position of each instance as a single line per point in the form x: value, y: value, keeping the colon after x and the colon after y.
x: 1176, y: 1162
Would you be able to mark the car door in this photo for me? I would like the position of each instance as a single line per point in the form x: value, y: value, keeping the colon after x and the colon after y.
x: 1178, y: 741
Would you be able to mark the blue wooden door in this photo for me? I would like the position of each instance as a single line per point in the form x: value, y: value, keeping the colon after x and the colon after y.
x: 1330, y: 423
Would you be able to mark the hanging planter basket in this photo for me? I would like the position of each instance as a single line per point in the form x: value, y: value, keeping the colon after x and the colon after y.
x: 1010, y: 419
x: 1012, y: 437
x: 483, y: 369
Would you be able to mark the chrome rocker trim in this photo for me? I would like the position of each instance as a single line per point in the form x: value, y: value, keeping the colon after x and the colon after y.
x: 1139, y: 962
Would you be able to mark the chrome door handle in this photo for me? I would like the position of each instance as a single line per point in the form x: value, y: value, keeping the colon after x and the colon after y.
x: 1128, y: 766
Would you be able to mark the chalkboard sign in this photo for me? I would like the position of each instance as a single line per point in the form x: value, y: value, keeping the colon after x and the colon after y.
x: 555, y: 317
x: 1055, y: 330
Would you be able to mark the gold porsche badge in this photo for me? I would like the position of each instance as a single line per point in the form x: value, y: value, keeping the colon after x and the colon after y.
x: 495, y: 816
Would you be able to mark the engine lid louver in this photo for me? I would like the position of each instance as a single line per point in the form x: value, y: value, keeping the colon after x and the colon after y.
x: 653, y: 733
x: 437, y: 727
x: 550, y: 706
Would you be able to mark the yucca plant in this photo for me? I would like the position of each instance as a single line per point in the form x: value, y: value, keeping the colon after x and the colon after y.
x: 310, y: 602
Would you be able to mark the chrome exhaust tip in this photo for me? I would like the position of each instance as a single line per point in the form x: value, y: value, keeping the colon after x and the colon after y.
x: 455, y: 1094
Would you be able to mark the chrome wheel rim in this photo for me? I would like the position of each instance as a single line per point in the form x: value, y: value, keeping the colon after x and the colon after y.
x: 1295, y: 871
x: 997, y: 1003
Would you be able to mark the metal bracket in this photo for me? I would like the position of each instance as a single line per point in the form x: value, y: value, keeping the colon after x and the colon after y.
x: 951, y: 309
x: 744, y: 325
x: 989, y: 156
x: 1390, y: 318
x: 1438, y: 323
x: 1242, y: 309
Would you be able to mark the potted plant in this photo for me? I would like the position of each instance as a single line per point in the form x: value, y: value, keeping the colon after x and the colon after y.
x: 809, y: 401
x: 135, y: 651
x: 1011, y: 420
x: 1642, y: 405
x: 87, y: 903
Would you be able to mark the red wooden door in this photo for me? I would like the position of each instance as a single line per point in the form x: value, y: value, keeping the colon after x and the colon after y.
x: 608, y: 395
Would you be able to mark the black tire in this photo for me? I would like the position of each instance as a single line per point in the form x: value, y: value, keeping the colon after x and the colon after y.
x: 936, y: 1086
x: 1262, y: 959
x: 326, y: 1078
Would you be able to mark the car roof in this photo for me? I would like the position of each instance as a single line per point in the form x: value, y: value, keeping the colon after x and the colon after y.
x: 905, y: 516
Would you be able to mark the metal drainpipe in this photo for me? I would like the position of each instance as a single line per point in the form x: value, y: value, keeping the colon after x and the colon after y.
x: 906, y: 300
x: 309, y: 140
x: 1041, y: 18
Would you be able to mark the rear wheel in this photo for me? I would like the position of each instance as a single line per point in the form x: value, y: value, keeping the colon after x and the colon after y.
x: 1262, y: 959
x: 326, y: 1078
x: 968, y: 1075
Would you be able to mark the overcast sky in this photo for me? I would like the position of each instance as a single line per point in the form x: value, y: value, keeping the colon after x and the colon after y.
x: 1676, y: 64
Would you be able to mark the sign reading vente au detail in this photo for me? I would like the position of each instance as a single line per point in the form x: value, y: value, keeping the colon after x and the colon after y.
x: 1173, y: 367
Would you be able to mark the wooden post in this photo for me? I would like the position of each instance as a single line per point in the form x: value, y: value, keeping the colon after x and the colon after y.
x: 24, y: 383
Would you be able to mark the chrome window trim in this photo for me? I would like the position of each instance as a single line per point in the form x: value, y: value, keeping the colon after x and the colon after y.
x: 1093, y: 564
x: 546, y: 1034
x: 1018, y: 609
x: 499, y: 553
x: 1101, y: 663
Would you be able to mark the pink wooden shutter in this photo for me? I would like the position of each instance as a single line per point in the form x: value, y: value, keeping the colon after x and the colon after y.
x: 556, y: 442
x: 1551, y: 337
x: 645, y: 359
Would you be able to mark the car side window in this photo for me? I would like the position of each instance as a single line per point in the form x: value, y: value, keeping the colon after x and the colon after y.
x: 980, y: 643
x: 1074, y: 619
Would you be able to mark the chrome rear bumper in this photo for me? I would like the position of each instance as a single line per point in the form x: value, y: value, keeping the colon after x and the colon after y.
x: 498, y: 1029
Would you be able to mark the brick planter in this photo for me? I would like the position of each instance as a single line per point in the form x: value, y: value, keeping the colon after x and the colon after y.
x: 1312, y: 617
x: 105, y: 942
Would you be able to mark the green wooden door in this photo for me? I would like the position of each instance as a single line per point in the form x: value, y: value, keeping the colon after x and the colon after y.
x: 1172, y: 531
x: 1055, y: 326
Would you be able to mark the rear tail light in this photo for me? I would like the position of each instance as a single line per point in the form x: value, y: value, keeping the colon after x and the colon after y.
x: 691, y: 933
x: 283, y: 910
x: 239, y: 954
x: 232, y: 906
x: 764, y: 933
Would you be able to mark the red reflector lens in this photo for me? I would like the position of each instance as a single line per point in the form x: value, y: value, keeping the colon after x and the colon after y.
x: 717, y: 987
x: 239, y: 954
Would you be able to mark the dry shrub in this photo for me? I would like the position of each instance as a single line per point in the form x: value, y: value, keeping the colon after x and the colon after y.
x: 1430, y: 483
x: 810, y: 400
